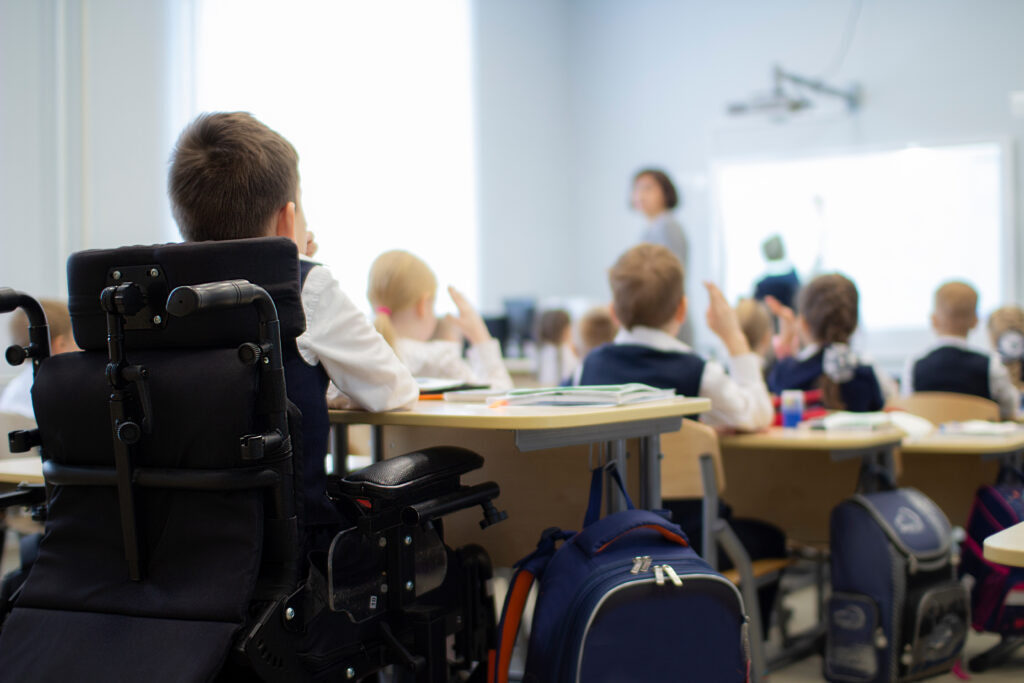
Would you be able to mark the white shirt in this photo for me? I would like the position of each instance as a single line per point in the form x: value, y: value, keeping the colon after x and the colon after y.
x: 555, y: 363
x: 999, y: 382
x: 739, y: 399
x: 443, y: 359
x: 17, y: 395
x: 356, y: 357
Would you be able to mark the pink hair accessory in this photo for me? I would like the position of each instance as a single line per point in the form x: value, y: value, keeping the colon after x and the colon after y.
x: 384, y: 309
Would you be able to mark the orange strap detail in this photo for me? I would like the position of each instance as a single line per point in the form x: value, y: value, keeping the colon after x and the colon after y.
x: 519, y: 591
x: 675, y: 538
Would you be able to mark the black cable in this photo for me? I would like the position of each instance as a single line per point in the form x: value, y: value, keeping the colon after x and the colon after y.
x: 844, y: 44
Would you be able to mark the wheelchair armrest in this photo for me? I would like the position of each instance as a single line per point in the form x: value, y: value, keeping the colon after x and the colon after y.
x: 26, y: 495
x: 410, y: 476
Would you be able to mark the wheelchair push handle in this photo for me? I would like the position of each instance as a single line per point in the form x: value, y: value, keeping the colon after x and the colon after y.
x: 188, y: 299
x: 38, y: 331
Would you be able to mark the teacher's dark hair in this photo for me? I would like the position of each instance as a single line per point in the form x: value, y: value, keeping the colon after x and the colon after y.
x: 672, y: 198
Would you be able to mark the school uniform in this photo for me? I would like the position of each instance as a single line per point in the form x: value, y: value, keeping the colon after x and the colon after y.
x: 651, y: 356
x: 861, y: 386
x: 780, y: 281
x: 555, y: 364
x: 950, y: 364
x: 339, y: 345
x: 483, y: 363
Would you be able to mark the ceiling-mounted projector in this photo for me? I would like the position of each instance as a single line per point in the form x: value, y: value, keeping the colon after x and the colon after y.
x: 789, y: 94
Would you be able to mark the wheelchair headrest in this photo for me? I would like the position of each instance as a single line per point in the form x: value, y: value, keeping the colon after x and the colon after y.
x: 270, y: 262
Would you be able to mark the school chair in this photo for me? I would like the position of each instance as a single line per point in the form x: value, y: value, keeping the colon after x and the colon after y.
x: 692, y: 469
x: 944, y: 406
x: 173, y: 500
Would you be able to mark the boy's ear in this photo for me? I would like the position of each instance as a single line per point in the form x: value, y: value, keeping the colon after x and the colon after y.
x: 615, y: 318
x: 423, y: 305
x: 284, y: 222
x: 680, y: 314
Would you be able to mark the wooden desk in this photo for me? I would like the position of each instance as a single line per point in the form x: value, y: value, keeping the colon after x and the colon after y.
x: 1006, y: 547
x: 794, y: 477
x: 949, y: 468
x: 539, y: 455
x: 14, y: 471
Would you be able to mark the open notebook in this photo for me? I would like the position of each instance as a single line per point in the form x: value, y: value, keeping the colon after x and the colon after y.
x: 594, y: 395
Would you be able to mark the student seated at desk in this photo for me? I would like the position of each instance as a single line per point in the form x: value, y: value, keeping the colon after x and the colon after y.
x: 949, y: 364
x: 1006, y: 330
x: 17, y: 395
x: 556, y: 358
x: 647, y: 289
x: 829, y: 309
x: 402, y: 291
x: 596, y: 328
x: 232, y: 177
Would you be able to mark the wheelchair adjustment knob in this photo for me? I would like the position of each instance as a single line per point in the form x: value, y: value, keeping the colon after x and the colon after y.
x: 249, y: 353
x: 16, y: 354
x: 492, y: 515
x: 129, y: 432
x: 24, y: 440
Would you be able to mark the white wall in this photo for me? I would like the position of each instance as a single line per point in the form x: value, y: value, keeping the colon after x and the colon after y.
x: 90, y: 101
x: 522, y: 86
x: 651, y: 80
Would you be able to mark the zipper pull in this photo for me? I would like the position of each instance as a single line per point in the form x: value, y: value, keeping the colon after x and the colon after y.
x: 672, y: 575
x: 659, y: 575
x: 637, y: 563
x: 646, y: 563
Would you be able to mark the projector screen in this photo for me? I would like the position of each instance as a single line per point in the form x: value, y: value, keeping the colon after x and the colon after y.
x: 898, y: 222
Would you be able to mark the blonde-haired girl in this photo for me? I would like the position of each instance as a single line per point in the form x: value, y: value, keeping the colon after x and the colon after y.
x: 1006, y: 329
x: 402, y: 291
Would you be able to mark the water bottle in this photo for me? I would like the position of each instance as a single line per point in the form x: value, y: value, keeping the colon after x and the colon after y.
x: 792, y: 407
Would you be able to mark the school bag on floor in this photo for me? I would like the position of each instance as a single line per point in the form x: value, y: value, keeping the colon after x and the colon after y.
x: 897, y: 611
x: 625, y: 599
x: 997, y: 593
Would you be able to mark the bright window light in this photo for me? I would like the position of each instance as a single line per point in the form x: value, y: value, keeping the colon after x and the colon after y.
x: 898, y: 222
x: 377, y: 99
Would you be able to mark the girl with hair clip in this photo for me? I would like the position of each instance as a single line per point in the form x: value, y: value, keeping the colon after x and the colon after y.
x: 1006, y: 330
x: 828, y: 313
x: 402, y: 291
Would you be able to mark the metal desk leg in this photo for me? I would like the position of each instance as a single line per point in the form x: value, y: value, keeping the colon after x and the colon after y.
x: 650, y: 472
x: 616, y: 454
x: 377, y: 442
x: 339, y: 449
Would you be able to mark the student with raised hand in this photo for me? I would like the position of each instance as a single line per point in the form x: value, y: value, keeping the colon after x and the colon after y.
x: 232, y: 177
x: 649, y: 302
x: 402, y: 291
x: 828, y: 314
x: 950, y: 364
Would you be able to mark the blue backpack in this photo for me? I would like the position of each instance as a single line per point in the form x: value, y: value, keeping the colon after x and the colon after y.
x: 626, y: 599
x: 897, y: 611
x: 997, y: 591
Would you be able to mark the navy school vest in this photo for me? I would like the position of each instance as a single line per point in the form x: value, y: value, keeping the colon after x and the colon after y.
x: 861, y: 394
x: 307, y: 389
x: 625, y: 363
x: 950, y: 368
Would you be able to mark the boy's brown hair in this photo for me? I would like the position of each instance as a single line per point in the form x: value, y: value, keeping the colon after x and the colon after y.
x: 552, y: 326
x: 597, y: 327
x: 647, y: 286
x: 230, y: 174
x: 956, y: 308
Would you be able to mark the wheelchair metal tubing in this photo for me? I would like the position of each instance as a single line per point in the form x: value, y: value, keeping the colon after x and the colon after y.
x: 38, y: 348
x: 459, y: 500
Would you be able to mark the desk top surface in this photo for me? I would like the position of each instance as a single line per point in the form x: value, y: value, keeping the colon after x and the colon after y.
x: 802, y: 439
x: 966, y: 444
x: 1006, y: 547
x: 17, y: 470
x: 480, y: 416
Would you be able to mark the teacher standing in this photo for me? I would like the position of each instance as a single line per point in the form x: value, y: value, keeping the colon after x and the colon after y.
x: 655, y: 196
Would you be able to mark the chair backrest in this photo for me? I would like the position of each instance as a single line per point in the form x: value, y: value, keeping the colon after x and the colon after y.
x: 10, y: 422
x: 943, y: 406
x: 680, y: 468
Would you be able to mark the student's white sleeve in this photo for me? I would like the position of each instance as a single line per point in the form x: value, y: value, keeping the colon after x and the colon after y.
x: 1003, y: 391
x: 886, y: 383
x: 355, y: 356
x: 488, y: 365
x: 907, y: 385
x: 741, y: 400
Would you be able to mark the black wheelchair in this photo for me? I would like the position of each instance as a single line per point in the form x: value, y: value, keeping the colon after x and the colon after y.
x: 172, y: 544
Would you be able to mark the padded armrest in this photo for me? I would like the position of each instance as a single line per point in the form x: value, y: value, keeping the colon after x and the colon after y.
x: 406, y: 474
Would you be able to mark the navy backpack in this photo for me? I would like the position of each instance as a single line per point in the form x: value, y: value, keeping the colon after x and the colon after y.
x: 626, y: 599
x: 897, y: 611
x: 997, y: 591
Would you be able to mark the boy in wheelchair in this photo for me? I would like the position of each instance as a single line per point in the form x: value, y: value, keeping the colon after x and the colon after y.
x: 181, y: 543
